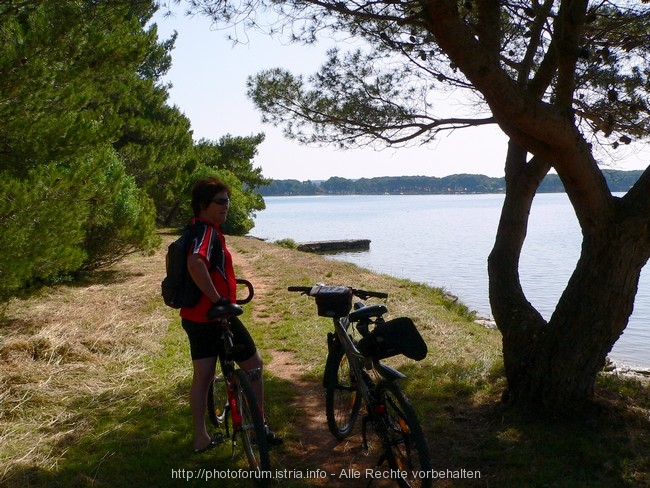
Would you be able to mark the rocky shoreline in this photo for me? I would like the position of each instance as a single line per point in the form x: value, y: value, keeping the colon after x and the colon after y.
x: 614, y: 367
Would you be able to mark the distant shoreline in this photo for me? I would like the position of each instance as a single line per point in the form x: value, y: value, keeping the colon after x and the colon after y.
x: 459, y: 184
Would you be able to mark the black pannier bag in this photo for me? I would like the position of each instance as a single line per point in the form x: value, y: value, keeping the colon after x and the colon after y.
x: 396, y: 336
x: 332, y: 301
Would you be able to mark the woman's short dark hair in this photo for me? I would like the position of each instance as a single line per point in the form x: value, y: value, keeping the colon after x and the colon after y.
x: 204, y: 191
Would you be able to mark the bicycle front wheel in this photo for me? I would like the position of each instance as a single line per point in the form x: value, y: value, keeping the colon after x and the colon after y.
x: 342, y: 398
x: 251, y: 429
x: 404, y: 444
x: 218, y: 402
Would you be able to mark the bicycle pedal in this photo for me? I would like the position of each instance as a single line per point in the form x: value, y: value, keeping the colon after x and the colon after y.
x: 219, y: 438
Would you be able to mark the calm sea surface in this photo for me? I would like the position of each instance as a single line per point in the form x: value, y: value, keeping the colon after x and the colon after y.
x: 444, y: 241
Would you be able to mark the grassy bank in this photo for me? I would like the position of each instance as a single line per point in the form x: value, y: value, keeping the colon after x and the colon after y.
x: 94, y: 380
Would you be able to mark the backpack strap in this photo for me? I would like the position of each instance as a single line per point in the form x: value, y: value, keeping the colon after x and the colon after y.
x: 198, y: 229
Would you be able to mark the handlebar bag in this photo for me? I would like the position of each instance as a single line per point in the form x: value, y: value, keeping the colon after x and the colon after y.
x: 332, y: 301
x: 396, y: 336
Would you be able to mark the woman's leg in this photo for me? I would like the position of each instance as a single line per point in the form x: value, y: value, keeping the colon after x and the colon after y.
x: 253, y: 368
x: 203, y: 374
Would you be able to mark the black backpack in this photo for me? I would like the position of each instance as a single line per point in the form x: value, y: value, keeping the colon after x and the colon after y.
x: 178, y: 287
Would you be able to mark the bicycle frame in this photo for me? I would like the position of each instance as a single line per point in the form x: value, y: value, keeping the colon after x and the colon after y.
x: 227, y: 365
x: 241, y: 405
x: 358, y: 361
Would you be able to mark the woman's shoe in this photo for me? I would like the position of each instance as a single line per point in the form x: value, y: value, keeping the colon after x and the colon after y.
x: 272, y: 439
x: 215, y: 440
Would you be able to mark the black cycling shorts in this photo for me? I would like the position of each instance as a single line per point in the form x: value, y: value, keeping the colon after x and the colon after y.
x: 206, y: 339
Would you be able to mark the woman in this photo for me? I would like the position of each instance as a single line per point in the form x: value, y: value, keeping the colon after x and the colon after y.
x: 210, y: 265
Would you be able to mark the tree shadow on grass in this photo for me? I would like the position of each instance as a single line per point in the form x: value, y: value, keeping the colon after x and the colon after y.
x: 476, y: 441
x: 118, y: 443
x: 605, y: 444
x: 131, y: 439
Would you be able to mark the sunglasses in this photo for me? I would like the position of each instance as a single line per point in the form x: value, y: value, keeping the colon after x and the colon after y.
x: 221, y: 201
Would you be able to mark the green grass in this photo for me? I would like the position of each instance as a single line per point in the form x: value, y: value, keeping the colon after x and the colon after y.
x: 110, y: 408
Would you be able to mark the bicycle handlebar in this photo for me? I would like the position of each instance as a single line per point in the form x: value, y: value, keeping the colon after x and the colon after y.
x: 231, y: 309
x: 363, y: 294
x: 302, y: 289
x: 249, y: 286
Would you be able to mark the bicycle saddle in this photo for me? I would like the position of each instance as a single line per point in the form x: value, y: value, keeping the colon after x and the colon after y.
x: 368, y: 311
x: 228, y: 309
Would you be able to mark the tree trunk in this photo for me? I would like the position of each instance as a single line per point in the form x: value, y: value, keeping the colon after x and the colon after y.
x: 520, y: 323
x: 555, y: 364
x: 591, y: 314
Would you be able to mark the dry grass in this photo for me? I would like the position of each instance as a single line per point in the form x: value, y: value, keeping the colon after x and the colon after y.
x: 69, y: 346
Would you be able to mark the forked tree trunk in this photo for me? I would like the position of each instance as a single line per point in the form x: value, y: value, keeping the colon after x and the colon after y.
x: 556, y: 363
x: 592, y: 312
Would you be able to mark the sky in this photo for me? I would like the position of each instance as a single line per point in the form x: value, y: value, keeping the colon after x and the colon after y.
x: 208, y: 78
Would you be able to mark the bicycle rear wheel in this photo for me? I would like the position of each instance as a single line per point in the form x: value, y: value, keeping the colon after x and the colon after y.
x: 342, y: 399
x: 252, y: 430
x: 404, y: 444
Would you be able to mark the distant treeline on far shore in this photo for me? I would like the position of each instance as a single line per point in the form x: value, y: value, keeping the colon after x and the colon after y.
x: 618, y: 181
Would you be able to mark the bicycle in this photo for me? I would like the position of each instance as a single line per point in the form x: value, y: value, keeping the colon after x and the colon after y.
x: 233, y: 405
x: 354, y: 374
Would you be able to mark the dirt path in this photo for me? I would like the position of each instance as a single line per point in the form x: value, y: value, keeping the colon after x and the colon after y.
x: 315, y: 443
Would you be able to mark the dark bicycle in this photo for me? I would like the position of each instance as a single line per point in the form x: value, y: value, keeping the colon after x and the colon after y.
x: 232, y: 405
x: 354, y: 375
